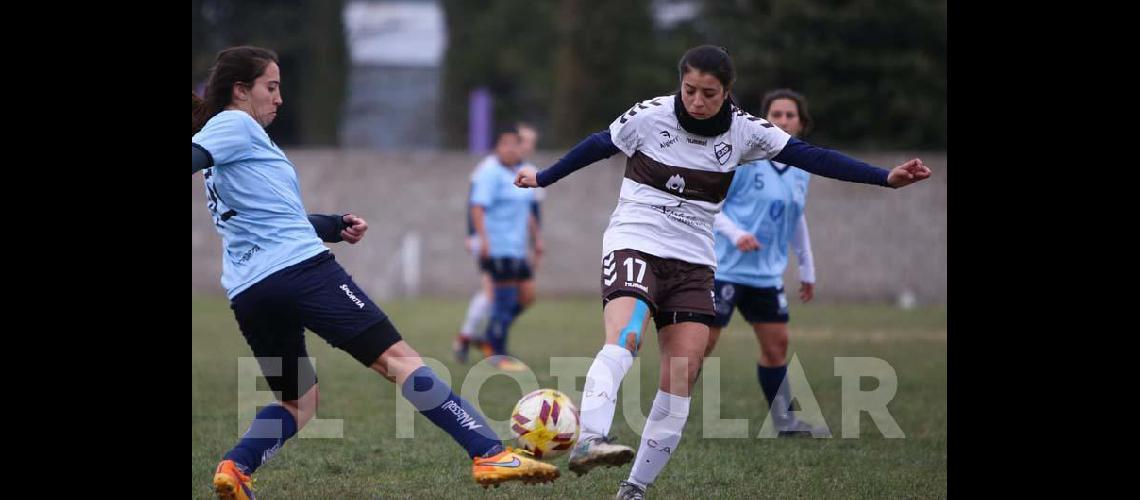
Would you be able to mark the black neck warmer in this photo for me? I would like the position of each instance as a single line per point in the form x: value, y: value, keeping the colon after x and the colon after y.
x: 709, y: 127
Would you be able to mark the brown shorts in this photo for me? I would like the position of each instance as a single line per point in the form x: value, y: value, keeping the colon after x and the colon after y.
x: 676, y: 291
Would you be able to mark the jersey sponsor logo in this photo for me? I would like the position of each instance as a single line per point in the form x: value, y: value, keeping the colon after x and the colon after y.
x: 723, y: 151
x: 688, y: 183
x: 683, y: 217
x: 756, y: 141
x: 248, y: 254
x: 669, y: 142
x: 698, y: 142
x: 359, y: 303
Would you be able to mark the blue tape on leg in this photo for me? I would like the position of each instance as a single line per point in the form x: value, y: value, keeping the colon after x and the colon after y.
x: 634, y: 326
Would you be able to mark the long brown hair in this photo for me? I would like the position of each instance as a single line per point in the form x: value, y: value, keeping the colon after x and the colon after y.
x: 235, y: 65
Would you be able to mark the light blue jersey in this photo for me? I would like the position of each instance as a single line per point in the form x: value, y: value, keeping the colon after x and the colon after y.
x: 254, y: 197
x: 765, y: 199
x: 507, y: 207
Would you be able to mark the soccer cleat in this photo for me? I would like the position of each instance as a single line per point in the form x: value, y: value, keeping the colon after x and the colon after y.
x: 230, y: 483
x: 629, y: 491
x: 509, y: 364
x: 488, y: 351
x: 595, y: 451
x: 459, y: 348
x: 512, y: 465
x: 796, y: 427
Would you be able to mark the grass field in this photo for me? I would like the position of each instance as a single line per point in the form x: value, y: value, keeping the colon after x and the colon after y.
x: 370, y: 461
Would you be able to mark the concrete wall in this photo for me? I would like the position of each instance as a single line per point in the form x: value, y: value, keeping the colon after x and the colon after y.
x: 870, y: 243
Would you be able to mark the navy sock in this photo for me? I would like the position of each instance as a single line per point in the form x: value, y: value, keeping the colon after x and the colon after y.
x: 265, y: 436
x: 770, y: 379
x: 502, y: 315
x: 435, y: 400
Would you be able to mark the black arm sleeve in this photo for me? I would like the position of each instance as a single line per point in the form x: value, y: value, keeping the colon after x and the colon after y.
x: 200, y: 159
x: 328, y: 227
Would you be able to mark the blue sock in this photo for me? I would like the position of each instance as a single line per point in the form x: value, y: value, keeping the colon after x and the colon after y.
x: 265, y: 436
x: 770, y: 380
x: 435, y: 400
x: 502, y: 315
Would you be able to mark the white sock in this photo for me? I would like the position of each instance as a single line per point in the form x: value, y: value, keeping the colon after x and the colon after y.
x: 599, y: 396
x: 477, y: 310
x: 660, y: 437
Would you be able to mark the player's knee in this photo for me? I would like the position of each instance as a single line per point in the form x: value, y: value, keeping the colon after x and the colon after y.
x: 774, y: 357
x: 780, y: 348
x: 304, y: 408
x: 399, y: 361
x: 526, y: 299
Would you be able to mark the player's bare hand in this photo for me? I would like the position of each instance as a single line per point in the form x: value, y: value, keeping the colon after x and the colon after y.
x: 908, y: 173
x: 747, y: 243
x: 355, y: 230
x: 527, y: 178
x: 807, y: 291
x: 539, y: 246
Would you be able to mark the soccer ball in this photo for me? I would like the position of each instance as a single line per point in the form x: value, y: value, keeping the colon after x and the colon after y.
x: 545, y: 422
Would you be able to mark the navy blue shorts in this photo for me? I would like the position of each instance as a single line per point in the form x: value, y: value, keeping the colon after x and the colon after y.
x: 757, y: 305
x: 506, y: 268
x: 316, y: 294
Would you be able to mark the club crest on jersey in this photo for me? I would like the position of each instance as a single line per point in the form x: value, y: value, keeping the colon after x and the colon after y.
x: 676, y: 183
x: 723, y: 150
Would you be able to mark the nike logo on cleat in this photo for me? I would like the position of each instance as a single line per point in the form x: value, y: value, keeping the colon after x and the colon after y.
x: 512, y: 463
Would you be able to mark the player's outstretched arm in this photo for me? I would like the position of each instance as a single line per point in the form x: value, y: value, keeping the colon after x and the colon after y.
x: 836, y: 165
x: 596, y: 147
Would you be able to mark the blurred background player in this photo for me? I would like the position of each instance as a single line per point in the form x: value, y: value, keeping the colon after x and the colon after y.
x: 501, y: 214
x: 762, y: 215
x: 480, y: 305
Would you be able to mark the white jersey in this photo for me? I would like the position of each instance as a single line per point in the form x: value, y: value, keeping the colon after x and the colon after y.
x: 675, y: 182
